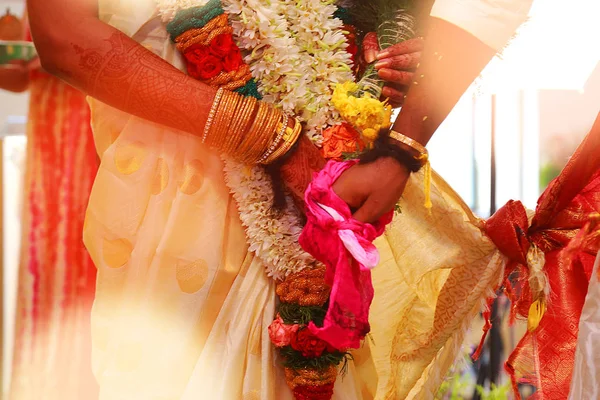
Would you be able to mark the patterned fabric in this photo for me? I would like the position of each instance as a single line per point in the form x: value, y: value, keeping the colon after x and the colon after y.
x: 565, y: 228
x: 586, y: 375
x: 56, y: 276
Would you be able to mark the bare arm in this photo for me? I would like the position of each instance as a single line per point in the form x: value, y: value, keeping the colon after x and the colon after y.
x: 451, y: 61
x: 101, y: 61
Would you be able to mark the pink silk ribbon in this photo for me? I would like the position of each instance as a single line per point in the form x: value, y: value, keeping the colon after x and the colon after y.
x: 345, y: 246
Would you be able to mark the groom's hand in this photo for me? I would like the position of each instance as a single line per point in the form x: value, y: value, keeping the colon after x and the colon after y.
x: 396, y: 66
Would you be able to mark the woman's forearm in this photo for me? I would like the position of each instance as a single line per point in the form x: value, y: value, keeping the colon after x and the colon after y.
x: 14, y: 78
x: 451, y: 60
x: 111, y: 67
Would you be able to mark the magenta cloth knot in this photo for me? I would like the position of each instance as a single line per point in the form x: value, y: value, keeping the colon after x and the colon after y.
x: 345, y: 246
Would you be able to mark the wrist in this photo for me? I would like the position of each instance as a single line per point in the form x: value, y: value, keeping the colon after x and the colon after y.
x: 383, y: 148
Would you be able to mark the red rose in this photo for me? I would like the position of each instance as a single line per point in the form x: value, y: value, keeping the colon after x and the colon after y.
x: 209, y: 68
x: 222, y: 45
x: 196, y: 54
x: 233, y: 60
x: 201, y: 64
x: 307, y: 343
x: 280, y: 333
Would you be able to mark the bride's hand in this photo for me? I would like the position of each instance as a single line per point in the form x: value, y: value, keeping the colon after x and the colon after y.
x: 396, y: 66
x: 298, y: 170
x: 372, y: 189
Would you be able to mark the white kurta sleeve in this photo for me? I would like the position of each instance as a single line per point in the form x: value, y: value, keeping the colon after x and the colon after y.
x: 492, y: 21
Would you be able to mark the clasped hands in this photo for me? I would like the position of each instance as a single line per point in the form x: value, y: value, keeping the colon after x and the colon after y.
x: 372, y: 189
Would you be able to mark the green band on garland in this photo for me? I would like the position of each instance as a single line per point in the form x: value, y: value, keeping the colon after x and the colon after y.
x: 295, y: 360
x: 194, y: 18
x: 293, y: 313
x: 250, y: 89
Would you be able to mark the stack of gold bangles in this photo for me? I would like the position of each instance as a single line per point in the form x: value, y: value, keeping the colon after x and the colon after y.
x: 251, y: 131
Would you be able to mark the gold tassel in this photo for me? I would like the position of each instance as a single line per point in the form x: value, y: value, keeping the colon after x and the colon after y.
x: 427, y: 181
x: 536, y: 313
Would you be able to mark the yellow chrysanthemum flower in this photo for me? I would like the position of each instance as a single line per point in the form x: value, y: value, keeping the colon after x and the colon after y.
x: 367, y: 114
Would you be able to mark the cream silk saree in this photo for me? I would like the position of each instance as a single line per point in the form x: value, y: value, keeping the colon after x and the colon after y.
x: 182, y: 307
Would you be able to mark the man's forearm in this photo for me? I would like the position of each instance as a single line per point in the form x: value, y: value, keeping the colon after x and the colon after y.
x: 111, y: 67
x: 451, y: 61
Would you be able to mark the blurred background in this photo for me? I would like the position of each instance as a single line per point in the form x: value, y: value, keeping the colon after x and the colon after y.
x: 510, y: 135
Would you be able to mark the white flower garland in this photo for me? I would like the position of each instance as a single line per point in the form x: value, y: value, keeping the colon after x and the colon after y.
x: 296, y: 51
x: 273, y: 240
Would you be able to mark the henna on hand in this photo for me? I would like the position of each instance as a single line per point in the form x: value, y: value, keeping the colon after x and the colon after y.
x: 108, y: 65
x: 135, y: 80
x: 298, y: 170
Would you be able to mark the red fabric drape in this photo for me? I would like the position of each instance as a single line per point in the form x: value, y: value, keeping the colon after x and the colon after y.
x: 566, y: 228
x: 56, y: 276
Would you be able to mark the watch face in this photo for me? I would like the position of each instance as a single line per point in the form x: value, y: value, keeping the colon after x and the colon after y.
x: 13, y: 51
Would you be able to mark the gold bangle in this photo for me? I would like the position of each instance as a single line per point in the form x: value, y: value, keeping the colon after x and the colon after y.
x: 211, y: 114
x: 409, y: 142
x: 228, y: 116
x: 252, y: 135
x: 275, y: 130
x: 218, y: 135
x: 239, y: 125
x: 229, y: 133
x: 214, y: 132
x: 289, y: 141
x: 265, y: 135
x: 288, y: 136
x: 275, y: 143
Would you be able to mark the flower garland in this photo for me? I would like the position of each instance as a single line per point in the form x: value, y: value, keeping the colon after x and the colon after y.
x: 273, y: 240
x: 280, y: 39
x: 283, y: 38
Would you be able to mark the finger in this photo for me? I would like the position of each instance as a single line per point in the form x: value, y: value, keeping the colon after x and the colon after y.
x: 370, y: 47
x: 406, y: 47
x: 395, y: 97
x: 398, y: 77
x: 371, y: 210
x: 401, y: 62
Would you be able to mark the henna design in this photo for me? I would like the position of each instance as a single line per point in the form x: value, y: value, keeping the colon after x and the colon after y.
x: 129, y: 77
x: 402, y: 61
x: 298, y: 170
x: 403, y: 78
